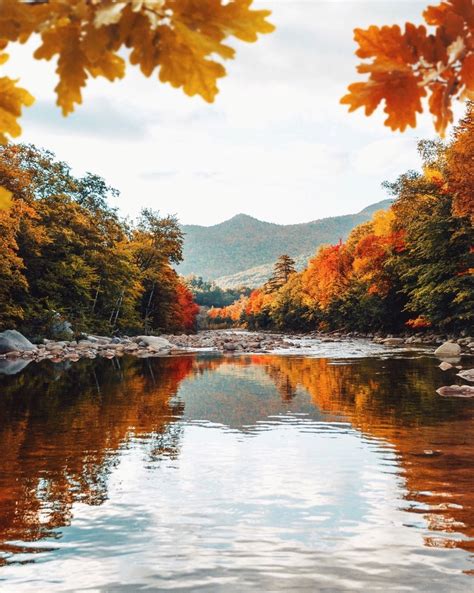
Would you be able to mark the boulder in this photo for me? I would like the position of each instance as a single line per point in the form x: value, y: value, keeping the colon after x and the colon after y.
x: 11, y: 340
x: 456, y: 391
x: 468, y: 375
x: 155, y: 342
x: 448, y: 350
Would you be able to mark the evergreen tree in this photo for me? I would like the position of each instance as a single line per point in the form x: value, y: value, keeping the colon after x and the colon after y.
x: 282, y: 270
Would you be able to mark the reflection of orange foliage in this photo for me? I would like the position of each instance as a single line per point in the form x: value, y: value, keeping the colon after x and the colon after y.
x: 58, y: 447
x: 440, y: 485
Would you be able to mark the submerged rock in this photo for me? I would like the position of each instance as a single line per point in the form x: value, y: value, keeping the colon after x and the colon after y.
x: 12, y: 367
x: 445, y: 366
x: 468, y: 375
x: 11, y: 340
x: 456, y: 391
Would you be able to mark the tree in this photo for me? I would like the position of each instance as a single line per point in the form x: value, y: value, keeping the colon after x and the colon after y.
x: 404, y: 66
x: 282, y: 270
x: 460, y: 165
x: 435, y: 268
x: 65, y: 252
x: 182, y: 40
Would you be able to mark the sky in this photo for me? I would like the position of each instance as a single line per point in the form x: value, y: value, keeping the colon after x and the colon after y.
x: 276, y: 144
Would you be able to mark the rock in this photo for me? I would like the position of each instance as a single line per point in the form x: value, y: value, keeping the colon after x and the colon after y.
x: 155, y: 342
x: 468, y: 375
x: 393, y: 341
x: 456, y: 391
x: 445, y: 366
x: 448, y: 349
x: 12, y: 367
x: 11, y: 340
x: 229, y: 347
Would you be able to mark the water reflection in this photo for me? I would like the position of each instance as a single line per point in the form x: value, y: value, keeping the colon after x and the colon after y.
x: 227, y: 473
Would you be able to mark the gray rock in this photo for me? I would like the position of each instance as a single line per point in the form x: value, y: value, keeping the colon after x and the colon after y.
x: 12, y: 367
x: 155, y: 342
x: 468, y: 375
x: 11, y: 340
x: 456, y: 391
x: 448, y: 349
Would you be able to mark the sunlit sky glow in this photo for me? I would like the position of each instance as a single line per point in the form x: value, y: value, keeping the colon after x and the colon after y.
x: 276, y: 144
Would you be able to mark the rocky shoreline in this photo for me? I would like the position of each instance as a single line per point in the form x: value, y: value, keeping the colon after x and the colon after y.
x: 14, y: 345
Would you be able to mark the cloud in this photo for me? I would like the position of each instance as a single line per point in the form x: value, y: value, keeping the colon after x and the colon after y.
x: 98, y: 118
x: 386, y: 157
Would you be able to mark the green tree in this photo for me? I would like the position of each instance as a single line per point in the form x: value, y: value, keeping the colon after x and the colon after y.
x: 284, y: 267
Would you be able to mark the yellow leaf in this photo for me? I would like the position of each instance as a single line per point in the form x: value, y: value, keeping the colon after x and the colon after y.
x: 12, y: 100
x: 185, y: 66
x: 5, y: 198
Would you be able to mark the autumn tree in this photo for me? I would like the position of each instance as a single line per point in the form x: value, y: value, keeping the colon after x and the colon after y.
x: 66, y: 253
x: 460, y: 165
x: 436, y: 266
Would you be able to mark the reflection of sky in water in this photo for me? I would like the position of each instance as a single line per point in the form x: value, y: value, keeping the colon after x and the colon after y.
x: 264, y: 494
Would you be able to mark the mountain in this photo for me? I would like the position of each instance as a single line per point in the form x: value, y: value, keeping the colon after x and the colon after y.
x: 242, y: 250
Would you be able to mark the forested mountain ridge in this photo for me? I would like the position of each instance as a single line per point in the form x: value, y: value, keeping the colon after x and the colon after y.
x: 243, y: 243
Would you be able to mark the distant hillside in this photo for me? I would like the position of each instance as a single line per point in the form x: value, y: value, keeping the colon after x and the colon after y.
x: 243, y: 249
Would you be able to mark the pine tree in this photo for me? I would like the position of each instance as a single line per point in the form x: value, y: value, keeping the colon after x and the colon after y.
x: 282, y: 270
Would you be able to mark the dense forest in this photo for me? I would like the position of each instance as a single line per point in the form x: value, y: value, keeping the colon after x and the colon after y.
x: 410, y: 266
x: 69, y: 263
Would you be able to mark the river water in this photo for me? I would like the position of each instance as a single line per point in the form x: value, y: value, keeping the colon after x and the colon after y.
x: 230, y: 474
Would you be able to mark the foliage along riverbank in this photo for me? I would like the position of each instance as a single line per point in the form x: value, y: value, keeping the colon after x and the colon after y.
x: 68, y: 260
x: 411, y: 267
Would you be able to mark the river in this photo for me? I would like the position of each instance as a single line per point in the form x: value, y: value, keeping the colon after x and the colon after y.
x: 337, y: 471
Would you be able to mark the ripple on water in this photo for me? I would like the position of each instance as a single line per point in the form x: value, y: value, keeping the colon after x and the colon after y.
x: 219, y: 474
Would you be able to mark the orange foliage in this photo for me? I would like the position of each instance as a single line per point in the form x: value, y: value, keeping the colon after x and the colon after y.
x: 187, y: 308
x: 460, y: 166
x: 404, y: 66
x: 327, y: 275
x: 418, y: 323
x: 231, y: 313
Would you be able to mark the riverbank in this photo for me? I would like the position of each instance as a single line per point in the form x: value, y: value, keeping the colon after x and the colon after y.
x: 15, y: 346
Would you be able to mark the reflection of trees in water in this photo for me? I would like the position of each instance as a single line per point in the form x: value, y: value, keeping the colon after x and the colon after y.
x: 60, y: 431
x: 395, y: 400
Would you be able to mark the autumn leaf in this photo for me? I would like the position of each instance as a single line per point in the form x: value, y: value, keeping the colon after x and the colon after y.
x: 182, y: 40
x: 5, y: 198
x: 12, y: 100
x: 405, y: 66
